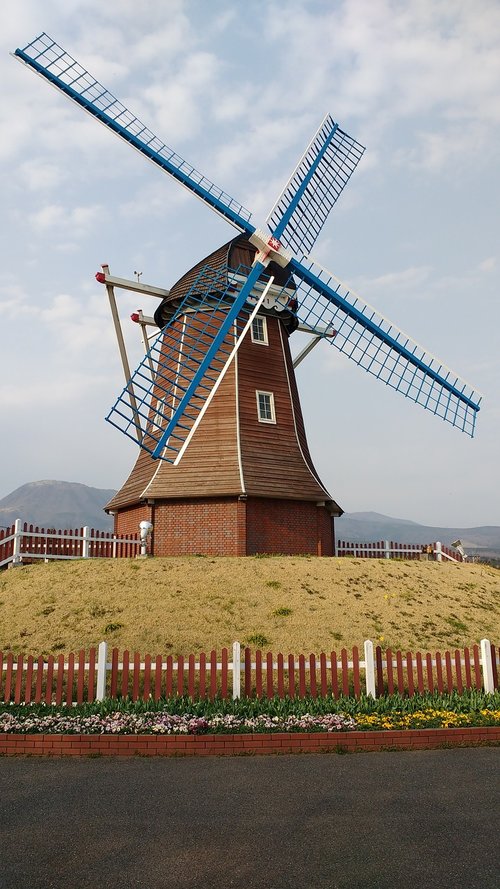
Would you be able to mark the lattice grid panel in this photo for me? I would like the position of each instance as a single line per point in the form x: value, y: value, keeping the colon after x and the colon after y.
x: 380, y: 348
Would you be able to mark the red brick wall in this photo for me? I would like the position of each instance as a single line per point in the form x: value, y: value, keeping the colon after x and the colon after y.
x: 212, y: 526
x: 216, y: 745
x: 127, y: 520
x: 232, y: 527
x: 291, y: 527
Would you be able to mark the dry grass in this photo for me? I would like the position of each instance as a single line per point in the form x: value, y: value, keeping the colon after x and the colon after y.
x: 299, y: 604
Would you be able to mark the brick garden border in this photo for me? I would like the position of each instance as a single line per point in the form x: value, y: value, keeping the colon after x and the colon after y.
x: 241, y: 744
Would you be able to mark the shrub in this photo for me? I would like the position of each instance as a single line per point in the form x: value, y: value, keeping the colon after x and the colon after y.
x: 258, y: 639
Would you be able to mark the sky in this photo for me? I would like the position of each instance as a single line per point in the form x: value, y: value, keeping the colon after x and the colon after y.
x: 238, y: 89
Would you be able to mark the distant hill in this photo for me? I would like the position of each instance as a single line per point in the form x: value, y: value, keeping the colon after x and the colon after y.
x: 359, y: 527
x: 53, y: 504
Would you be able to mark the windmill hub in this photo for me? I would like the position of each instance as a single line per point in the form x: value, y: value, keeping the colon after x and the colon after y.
x: 269, y: 249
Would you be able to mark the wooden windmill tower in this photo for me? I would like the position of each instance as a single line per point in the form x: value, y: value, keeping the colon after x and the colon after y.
x: 246, y: 482
x: 224, y: 465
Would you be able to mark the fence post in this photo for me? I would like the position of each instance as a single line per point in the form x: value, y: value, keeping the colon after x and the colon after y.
x: 86, y: 542
x: 487, y: 666
x: 387, y: 551
x: 369, y: 669
x: 236, y: 670
x: 102, y: 668
x: 439, y: 551
x: 16, y: 552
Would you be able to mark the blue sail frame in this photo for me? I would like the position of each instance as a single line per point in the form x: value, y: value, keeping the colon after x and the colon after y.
x: 295, y: 221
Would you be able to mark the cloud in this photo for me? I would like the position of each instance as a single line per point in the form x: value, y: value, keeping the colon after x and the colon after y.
x: 38, y: 175
x: 77, y: 220
x: 63, y: 389
x: 386, y: 62
x: 69, y: 324
x: 413, y: 278
x: 487, y: 265
x: 177, y: 106
x: 170, y: 40
x: 151, y: 200
x: 78, y: 326
x: 13, y: 301
x: 451, y: 148
x: 254, y: 149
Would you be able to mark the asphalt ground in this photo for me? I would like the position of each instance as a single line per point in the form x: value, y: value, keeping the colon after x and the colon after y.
x: 387, y: 820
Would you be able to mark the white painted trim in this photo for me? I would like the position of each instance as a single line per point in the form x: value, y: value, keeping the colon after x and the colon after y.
x: 369, y: 669
x: 270, y: 395
x: 102, y: 663
x: 236, y: 670
x: 487, y: 666
x: 265, y: 340
x: 238, y: 427
x: 18, y: 533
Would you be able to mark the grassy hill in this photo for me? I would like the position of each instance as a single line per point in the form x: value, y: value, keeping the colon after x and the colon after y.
x: 299, y: 604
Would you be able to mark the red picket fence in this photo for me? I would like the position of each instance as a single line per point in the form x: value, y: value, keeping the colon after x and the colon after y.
x: 22, y: 543
x: 385, y: 549
x: 6, y: 544
x: 410, y: 673
x: 51, y: 680
x: 79, y: 678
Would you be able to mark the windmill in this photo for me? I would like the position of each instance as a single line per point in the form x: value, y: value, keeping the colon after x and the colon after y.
x: 223, y: 463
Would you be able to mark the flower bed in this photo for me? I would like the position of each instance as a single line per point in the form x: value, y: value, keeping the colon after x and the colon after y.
x: 183, y: 716
x: 164, y: 723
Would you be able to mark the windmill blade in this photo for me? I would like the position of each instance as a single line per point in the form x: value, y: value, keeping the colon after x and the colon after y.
x: 314, y: 186
x: 380, y: 348
x: 49, y: 60
x: 181, y: 372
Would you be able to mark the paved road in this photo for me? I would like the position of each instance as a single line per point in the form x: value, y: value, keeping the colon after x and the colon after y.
x: 387, y: 820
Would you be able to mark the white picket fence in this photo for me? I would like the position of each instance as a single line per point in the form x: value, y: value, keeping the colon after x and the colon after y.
x: 385, y: 549
x: 23, y: 543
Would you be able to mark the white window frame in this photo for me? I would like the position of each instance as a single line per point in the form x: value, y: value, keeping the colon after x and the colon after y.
x: 265, y: 340
x: 270, y: 396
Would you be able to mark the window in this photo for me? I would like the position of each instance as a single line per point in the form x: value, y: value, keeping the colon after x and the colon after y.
x: 259, y: 330
x: 265, y: 407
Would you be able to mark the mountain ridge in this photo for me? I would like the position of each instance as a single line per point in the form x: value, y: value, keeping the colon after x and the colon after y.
x: 57, y: 504
x: 49, y: 503
x: 368, y: 527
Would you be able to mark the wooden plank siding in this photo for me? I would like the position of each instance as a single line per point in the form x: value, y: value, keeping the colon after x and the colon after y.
x: 210, y: 465
x: 275, y: 457
x: 274, y: 464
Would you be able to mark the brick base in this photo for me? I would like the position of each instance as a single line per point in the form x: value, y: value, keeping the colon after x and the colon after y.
x: 127, y: 520
x: 289, y: 527
x: 229, y: 526
x: 217, y: 745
